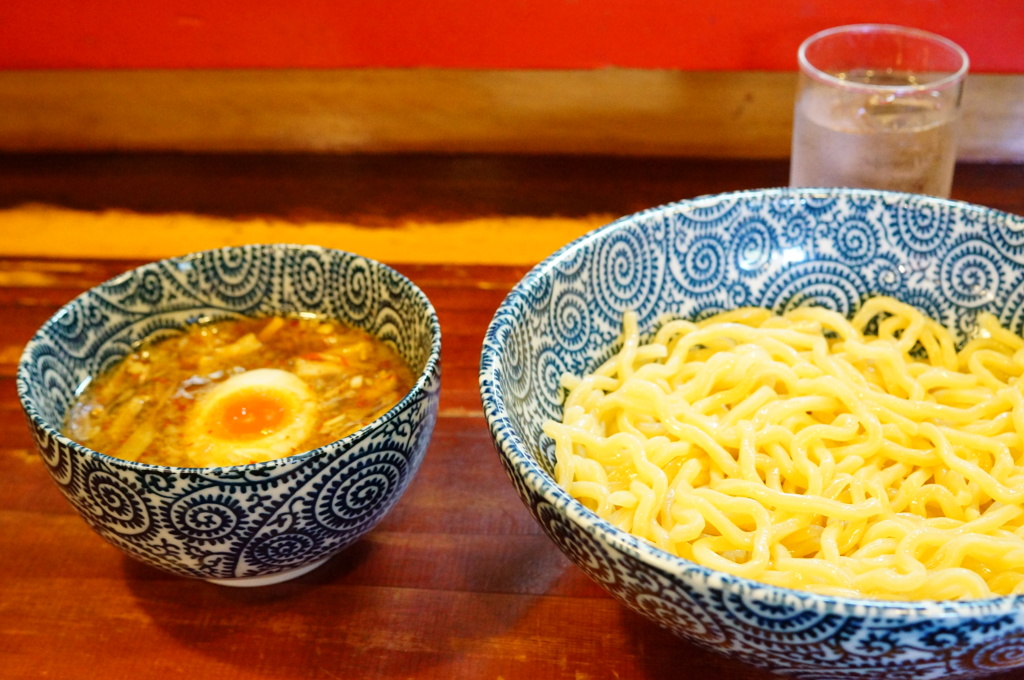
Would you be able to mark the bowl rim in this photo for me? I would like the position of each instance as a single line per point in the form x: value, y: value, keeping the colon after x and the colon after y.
x: 431, y: 369
x: 511, y: 447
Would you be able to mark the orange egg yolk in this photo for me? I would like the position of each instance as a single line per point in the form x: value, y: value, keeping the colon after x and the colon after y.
x: 249, y: 414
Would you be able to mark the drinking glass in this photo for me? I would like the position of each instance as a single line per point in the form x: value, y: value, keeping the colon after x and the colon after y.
x: 877, y: 107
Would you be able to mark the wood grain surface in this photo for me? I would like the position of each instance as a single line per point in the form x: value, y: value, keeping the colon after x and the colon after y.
x: 627, y: 112
x: 458, y: 581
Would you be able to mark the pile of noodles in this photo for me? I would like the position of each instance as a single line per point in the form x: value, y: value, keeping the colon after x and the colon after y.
x: 864, y: 457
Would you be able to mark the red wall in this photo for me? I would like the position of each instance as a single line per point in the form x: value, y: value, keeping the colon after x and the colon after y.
x: 574, y: 34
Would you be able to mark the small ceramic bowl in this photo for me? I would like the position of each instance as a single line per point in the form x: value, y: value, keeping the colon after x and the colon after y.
x: 249, y: 524
x: 778, y: 249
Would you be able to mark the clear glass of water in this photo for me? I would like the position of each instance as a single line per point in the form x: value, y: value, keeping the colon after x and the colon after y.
x: 877, y: 107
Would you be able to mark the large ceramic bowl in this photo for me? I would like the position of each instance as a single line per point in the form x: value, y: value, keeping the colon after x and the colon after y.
x: 774, y: 248
x: 248, y: 524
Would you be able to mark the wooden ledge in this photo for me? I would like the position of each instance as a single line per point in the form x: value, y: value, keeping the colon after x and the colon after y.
x: 612, y: 111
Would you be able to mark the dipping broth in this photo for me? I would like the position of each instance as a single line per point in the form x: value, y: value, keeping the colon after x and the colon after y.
x: 238, y: 392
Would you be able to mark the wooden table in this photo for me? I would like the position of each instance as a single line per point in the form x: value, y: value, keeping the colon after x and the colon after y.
x: 458, y: 581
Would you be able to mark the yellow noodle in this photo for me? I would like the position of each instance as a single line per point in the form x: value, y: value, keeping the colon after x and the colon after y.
x: 800, y: 451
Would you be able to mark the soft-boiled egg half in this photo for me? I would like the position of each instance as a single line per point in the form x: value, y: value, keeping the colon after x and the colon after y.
x: 253, y: 416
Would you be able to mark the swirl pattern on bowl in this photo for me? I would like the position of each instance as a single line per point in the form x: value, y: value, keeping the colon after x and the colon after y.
x: 777, y: 248
x: 251, y: 521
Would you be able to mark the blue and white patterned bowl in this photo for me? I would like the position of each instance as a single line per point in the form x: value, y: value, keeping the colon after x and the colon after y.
x: 775, y: 248
x: 248, y: 524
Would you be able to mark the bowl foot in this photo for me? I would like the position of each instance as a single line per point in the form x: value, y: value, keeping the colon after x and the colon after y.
x: 270, y: 579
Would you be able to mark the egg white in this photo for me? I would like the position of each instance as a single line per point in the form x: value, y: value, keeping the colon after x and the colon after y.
x: 208, y: 443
